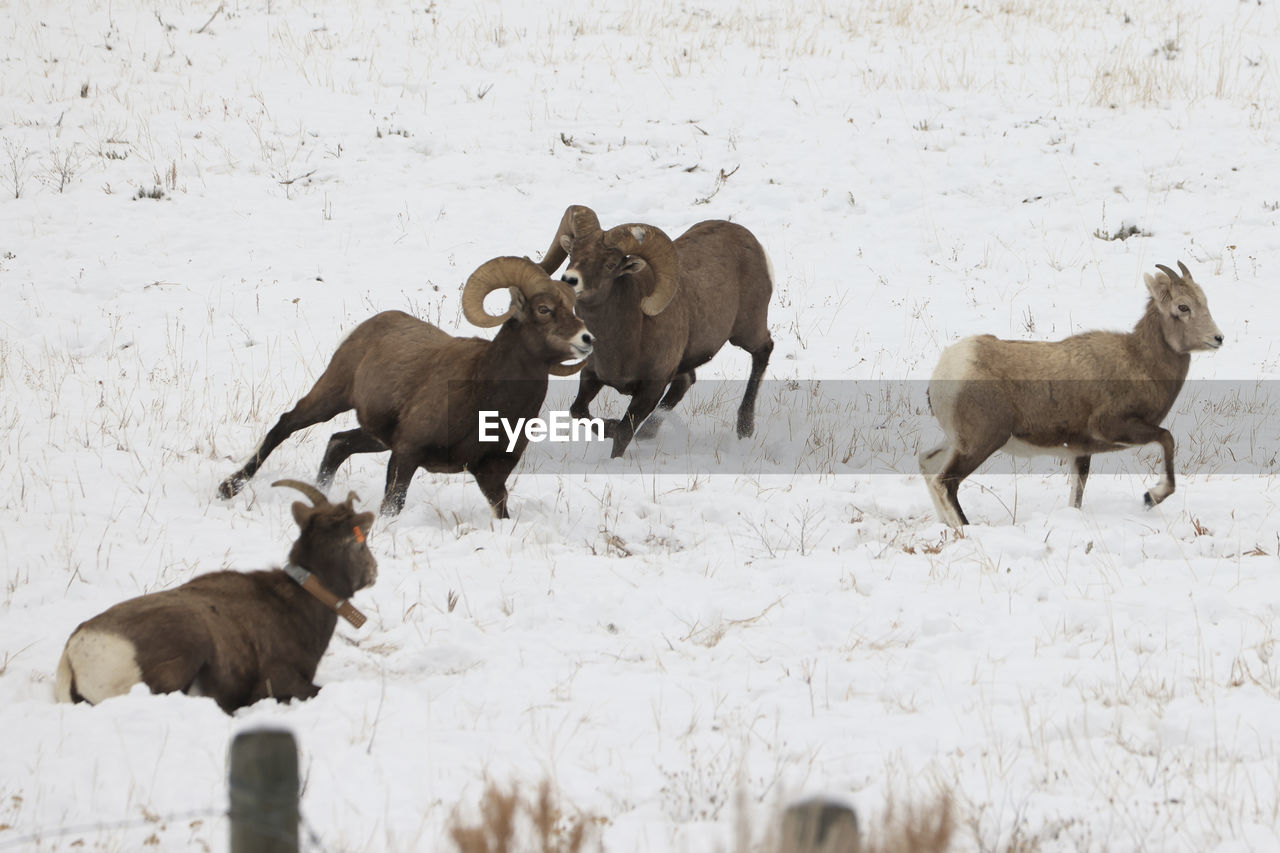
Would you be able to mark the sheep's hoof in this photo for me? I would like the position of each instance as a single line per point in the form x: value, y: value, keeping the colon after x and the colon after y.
x: 230, y: 487
x: 1148, y: 501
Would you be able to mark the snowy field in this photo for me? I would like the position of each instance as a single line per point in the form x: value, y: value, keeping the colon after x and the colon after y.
x: 198, y: 201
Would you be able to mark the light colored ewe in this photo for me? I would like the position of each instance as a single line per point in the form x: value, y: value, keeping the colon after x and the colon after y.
x: 660, y: 308
x: 1090, y: 393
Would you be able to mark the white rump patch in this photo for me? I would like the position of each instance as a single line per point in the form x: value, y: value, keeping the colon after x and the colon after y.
x: 639, y: 233
x: 102, y: 665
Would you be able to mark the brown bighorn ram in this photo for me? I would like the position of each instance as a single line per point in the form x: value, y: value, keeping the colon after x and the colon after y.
x: 235, y: 637
x: 418, y: 391
x: 661, y: 308
x: 1090, y: 393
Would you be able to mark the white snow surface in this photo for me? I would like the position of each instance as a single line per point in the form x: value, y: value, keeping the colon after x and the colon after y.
x: 673, y: 651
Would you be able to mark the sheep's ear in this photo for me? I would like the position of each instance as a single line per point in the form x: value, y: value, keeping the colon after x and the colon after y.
x: 566, y: 243
x: 1157, y: 287
x: 302, y: 513
x: 632, y: 265
x: 519, y: 305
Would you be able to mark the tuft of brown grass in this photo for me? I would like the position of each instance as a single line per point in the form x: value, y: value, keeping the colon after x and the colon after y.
x: 927, y: 828
x: 512, y: 823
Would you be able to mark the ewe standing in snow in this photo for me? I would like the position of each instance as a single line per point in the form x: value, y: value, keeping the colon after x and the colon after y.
x: 235, y: 637
x: 1091, y: 393
x: 418, y: 391
x: 661, y: 308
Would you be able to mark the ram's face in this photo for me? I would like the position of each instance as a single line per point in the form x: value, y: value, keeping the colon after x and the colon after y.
x: 593, y: 267
x: 549, y: 314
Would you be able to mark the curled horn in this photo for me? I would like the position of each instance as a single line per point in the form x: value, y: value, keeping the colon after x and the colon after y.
x: 1174, y: 278
x: 578, y: 221
x: 317, y: 497
x: 1186, y: 273
x: 655, y: 248
x: 492, y: 275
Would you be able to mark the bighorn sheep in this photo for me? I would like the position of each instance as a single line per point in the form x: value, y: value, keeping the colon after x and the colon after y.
x: 1090, y: 393
x: 235, y: 637
x: 661, y: 308
x: 418, y: 391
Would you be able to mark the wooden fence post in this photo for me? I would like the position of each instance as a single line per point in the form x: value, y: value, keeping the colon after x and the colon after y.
x: 819, y: 826
x: 263, y: 783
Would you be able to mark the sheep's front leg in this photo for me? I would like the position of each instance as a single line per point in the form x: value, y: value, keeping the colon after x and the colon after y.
x: 1133, y: 432
x: 283, y: 684
x: 589, y: 386
x: 491, y: 476
x: 1079, y: 474
x: 642, y: 405
x: 400, y: 470
x: 680, y: 385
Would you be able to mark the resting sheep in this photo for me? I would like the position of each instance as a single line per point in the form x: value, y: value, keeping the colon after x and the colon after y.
x: 418, y: 391
x: 235, y: 637
x: 661, y: 308
x: 1090, y: 393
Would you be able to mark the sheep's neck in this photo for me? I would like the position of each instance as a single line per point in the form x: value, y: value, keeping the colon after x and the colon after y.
x: 1162, y: 360
x: 509, y: 357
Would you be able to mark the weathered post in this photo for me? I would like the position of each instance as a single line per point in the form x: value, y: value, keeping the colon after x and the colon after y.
x: 263, y: 783
x: 819, y: 826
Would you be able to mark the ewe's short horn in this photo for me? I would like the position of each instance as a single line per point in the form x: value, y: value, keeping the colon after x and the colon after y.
x: 654, y: 246
x: 1174, y: 278
x: 317, y: 496
x: 1186, y: 273
x: 493, y: 275
x: 578, y: 221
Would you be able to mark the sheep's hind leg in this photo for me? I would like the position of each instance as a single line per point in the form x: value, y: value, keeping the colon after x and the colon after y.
x: 958, y: 465
x: 343, y: 445
x: 679, y: 386
x: 747, y: 410
x: 931, y: 463
x: 312, y: 409
x: 1079, y: 475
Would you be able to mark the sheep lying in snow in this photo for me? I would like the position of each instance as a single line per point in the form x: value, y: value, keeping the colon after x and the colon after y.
x: 661, y: 308
x: 1090, y: 393
x: 236, y: 637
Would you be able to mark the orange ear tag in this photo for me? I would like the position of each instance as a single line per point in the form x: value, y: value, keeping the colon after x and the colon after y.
x: 359, y: 534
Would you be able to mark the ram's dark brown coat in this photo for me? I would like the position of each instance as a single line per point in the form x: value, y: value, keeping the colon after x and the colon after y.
x: 660, y: 308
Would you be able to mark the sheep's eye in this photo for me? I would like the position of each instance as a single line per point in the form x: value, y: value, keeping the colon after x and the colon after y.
x: 543, y: 309
x: 1185, y: 309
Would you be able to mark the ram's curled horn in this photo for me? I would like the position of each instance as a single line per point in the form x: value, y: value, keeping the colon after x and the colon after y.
x: 655, y: 248
x: 317, y: 497
x: 494, y: 275
x: 578, y: 221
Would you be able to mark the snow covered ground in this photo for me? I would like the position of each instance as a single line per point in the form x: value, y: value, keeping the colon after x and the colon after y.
x: 196, y: 206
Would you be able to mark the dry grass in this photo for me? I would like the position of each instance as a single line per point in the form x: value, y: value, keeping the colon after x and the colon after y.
x: 509, y: 822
